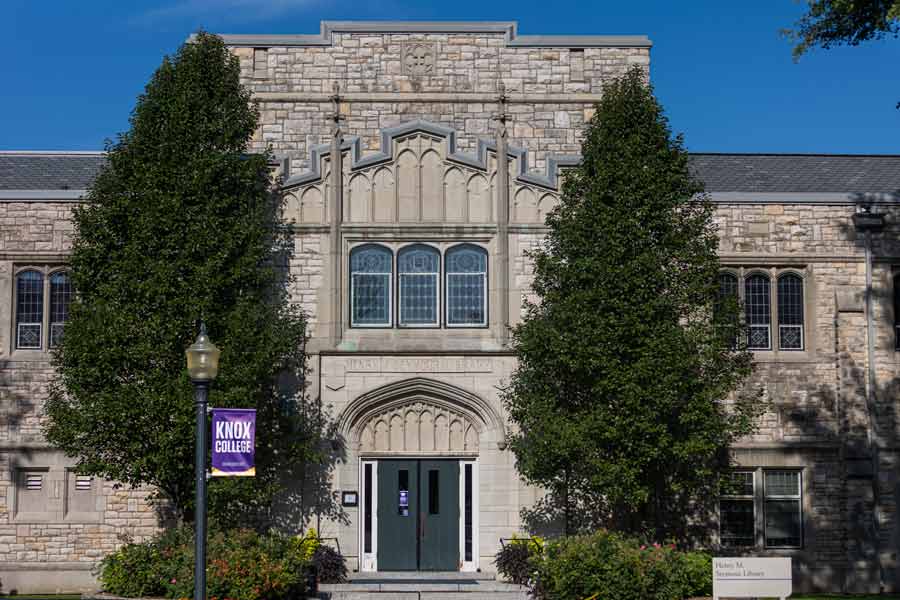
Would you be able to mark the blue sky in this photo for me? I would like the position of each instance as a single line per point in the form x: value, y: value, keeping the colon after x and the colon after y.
x: 70, y: 70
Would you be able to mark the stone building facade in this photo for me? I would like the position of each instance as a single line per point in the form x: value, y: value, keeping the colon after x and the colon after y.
x: 410, y: 241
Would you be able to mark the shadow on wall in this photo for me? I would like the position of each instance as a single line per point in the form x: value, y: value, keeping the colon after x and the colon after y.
x: 307, y: 498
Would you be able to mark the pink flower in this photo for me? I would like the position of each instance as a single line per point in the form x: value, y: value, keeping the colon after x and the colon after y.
x: 173, y: 580
x: 643, y: 547
x: 655, y: 544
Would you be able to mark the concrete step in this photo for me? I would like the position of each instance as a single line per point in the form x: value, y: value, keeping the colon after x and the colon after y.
x: 423, y: 586
x: 419, y: 575
x: 431, y: 595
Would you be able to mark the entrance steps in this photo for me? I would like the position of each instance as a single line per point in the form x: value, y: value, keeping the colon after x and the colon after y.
x: 421, y: 585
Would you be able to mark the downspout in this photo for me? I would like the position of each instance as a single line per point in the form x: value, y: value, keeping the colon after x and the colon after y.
x: 868, y: 222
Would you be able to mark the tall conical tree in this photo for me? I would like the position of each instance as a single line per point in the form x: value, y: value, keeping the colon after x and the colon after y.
x: 180, y: 225
x: 623, y: 377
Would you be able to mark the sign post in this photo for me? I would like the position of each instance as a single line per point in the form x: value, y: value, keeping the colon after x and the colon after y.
x: 747, y: 577
x: 233, y: 442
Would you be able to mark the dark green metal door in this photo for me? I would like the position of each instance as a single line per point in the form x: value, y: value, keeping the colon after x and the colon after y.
x: 418, y: 515
x: 398, y: 504
x: 439, y: 530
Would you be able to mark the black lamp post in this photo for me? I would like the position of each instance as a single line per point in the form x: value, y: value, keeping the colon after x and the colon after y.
x: 203, y: 366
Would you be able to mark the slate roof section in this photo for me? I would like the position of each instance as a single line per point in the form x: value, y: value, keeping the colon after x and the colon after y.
x: 749, y: 173
x: 792, y: 173
x: 49, y: 170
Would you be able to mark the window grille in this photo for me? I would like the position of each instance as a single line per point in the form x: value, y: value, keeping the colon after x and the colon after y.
x: 737, y: 517
x: 790, y: 312
x: 783, y: 511
x: 83, y: 483
x: 418, y: 267
x: 757, y: 304
x: 60, y: 298
x: 466, y: 286
x: 34, y: 481
x: 29, y: 309
x: 370, y: 286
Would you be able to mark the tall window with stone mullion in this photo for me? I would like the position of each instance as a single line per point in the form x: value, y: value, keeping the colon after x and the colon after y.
x: 60, y: 298
x: 418, y: 267
x: 371, y: 270
x: 790, y: 312
x: 466, y: 286
x: 29, y: 309
x: 757, y: 303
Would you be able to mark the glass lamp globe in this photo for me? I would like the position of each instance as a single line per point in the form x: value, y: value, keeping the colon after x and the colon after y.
x: 202, y: 358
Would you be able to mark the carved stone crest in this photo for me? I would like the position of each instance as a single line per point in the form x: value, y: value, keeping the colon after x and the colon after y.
x: 417, y: 58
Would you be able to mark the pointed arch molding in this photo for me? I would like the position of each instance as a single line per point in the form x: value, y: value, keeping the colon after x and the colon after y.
x: 420, y: 416
x: 478, y: 160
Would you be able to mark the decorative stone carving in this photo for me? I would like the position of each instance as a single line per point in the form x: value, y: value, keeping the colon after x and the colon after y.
x: 419, y: 428
x: 418, y: 177
x: 418, y: 58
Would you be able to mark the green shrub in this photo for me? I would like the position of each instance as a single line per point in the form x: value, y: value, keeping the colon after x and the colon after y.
x: 241, y: 565
x: 514, y: 560
x: 614, y: 567
x: 329, y: 565
x: 698, y: 573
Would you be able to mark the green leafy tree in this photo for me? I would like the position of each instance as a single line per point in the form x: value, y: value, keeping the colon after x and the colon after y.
x: 830, y: 23
x: 623, y: 394
x: 181, y: 224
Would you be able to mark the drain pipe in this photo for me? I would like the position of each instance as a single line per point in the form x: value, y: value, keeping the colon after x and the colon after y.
x: 869, y: 222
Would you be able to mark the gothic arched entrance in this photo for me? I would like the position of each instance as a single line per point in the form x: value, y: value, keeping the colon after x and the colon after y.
x: 418, y: 443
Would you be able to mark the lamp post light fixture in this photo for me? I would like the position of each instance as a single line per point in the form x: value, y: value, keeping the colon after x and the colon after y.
x: 203, y: 366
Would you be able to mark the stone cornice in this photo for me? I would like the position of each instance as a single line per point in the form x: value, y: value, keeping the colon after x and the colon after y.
x: 429, y: 97
x: 509, y: 29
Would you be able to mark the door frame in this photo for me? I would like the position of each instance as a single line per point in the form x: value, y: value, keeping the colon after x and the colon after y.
x: 368, y: 561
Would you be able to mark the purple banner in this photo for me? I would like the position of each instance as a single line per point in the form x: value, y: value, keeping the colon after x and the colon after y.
x: 233, y: 437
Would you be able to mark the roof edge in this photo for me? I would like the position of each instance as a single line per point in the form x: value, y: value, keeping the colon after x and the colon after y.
x: 508, y: 28
x: 41, y: 195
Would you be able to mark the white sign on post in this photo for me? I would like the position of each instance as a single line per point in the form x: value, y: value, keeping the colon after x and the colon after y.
x: 741, y: 577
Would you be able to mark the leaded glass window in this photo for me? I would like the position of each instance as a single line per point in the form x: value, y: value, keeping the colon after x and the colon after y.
x: 29, y: 309
x: 757, y: 304
x: 60, y: 298
x: 371, y: 268
x: 466, y: 286
x: 784, y: 515
x: 418, y: 267
x: 737, y: 517
x: 790, y: 312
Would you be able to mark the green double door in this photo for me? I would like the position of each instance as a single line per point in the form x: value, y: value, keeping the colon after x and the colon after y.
x: 418, y: 515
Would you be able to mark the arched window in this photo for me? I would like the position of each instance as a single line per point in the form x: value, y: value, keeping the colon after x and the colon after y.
x: 29, y: 309
x: 758, y: 304
x: 897, y: 311
x: 418, y: 267
x: 466, y: 286
x: 370, y: 286
x: 60, y: 298
x: 790, y: 312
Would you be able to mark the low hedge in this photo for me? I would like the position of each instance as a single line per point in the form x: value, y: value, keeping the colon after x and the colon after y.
x: 241, y: 565
x: 606, y: 565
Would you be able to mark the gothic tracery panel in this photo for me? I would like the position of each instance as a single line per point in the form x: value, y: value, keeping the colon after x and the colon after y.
x: 418, y: 428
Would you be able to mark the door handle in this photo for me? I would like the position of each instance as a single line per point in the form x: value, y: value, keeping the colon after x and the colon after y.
x: 421, y: 525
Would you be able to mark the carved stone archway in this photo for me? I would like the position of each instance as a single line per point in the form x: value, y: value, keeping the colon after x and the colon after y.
x: 419, y: 417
